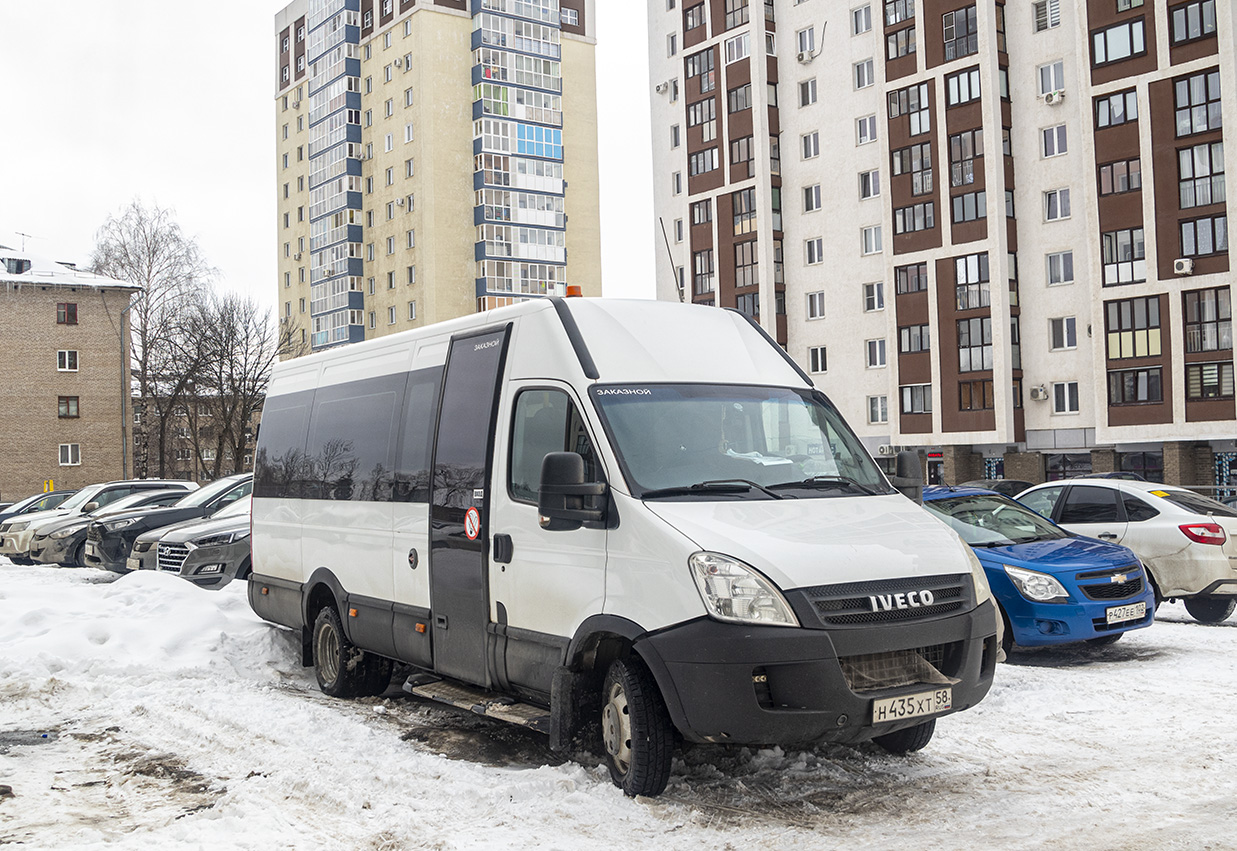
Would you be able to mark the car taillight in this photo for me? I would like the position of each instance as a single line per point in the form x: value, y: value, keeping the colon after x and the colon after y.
x: 1204, y: 533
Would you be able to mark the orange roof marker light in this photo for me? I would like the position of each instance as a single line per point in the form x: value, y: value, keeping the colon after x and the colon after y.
x: 574, y: 291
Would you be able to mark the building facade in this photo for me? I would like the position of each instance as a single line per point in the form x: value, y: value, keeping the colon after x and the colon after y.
x: 425, y: 149
x: 1002, y: 230
x: 64, y: 376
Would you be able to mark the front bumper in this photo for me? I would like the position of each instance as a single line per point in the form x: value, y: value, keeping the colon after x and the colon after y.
x: 54, y: 550
x: 1043, y: 624
x: 16, y: 543
x: 111, y: 552
x: 227, y: 557
x: 780, y: 686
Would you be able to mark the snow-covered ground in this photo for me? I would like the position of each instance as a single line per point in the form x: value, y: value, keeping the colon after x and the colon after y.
x: 147, y: 713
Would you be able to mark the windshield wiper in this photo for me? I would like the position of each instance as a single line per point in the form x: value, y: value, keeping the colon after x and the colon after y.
x: 830, y: 481
x: 990, y: 544
x: 712, y: 486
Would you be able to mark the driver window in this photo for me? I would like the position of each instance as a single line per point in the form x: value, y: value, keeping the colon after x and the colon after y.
x: 1089, y: 505
x: 545, y: 421
x: 1041, y: 501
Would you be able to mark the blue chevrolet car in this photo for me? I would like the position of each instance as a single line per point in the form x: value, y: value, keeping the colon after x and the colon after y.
x: 1053, y: 587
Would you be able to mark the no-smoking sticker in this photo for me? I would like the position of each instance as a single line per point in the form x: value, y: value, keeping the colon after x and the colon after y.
x: 472, y: 523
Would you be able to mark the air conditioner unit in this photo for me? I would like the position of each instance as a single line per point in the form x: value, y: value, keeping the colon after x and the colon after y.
x: 661, y: 88
x: 1040, y: 393
x: 399, y: 202
x: 296, y: 104
x: 399, y: 63
x: 804, y: 56
x: 1054, y: 98
x: 296, y: 256
x: 1183, y: 266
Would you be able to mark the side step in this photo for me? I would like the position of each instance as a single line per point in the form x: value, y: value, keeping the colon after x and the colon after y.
x: 482, y: 702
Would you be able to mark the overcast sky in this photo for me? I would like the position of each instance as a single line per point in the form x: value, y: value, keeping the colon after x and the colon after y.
x: 104, y: 101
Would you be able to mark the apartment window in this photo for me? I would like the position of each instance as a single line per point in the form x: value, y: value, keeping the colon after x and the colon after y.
x: 969, y: 207
x: 693, y: 17
x: 1193, y: 21
x: 878, y: 409
x: 1065, y: 397
x: 409, y: 167
x: 875, y: 353
x: 811, y: 198
x: 818, y: 360
x: 66, y: 313
x: 1118, y: 42
x: 1063, y: 333
x: 745, y: 268
x: 739, y: 98
x: 1200, y: 171
x: 961, y: 33
x: 874, y: 296
x: 1124, y: 256
x: 914, y: 338
x: 870, y: 239
x: 1056, y: 205
x: 373, y: 320
x: 675, y: 136
x: 1208, y: 320
x: 805, y: 39
x: 676, y: 183
x: 962, y: 87
x: 1118, y: 108
x: 672, y: 44
x: 1055, y: 141
x: 964, y: 149
x: 66, y: 359
x: 916, y: 161
x: 900, y: 43
x: 864, y: 76
x: 1133, y: 328
x: 70, y: 454
x: 971, y: 284
x: 68, y: 407
x: 975, y: 395
x: 866, y: 129
x: 1060, y: 268
x: 916, y: 217
x: 736, y: 13
x: 411, y: 239
x: 701, y: 65
x: 1197, y: 100
x: 702, y: 211
x: 748, y: 303
x: 975, y: 344
x: 744, y: 205
x: 916, y: 398
x: 1118, y: 177
x: 807, y: 92
x: 702, y: 271
x: 701, y: 162
x: 738, y: 47
x: 1204, y: 236
x: 1051, y: 77
x: 1047, y: 14
x: 370, y: 282
x: 1135, y: 386
x: 703, y: 114
x: 911, y: 279
x: 412, y: 275
x: 815, y: 250
x: 412, y: 311
x: 811, y: 145
x: 1209, y: 381
x: 816, y: 305
x: 861, y: 19
x: 391, y: 315
x: 869, y: 184
x: 912, y: 101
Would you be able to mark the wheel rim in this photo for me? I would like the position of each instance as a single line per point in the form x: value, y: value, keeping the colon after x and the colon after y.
x: 328, y: 653
x: 616, y: 728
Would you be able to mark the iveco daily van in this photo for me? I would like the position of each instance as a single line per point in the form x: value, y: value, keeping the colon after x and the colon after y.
x: 632, y: 519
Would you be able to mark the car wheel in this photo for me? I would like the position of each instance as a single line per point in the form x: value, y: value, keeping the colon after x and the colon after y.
x: 908, y: 740
x: 1105, y: 640
x: 1007, y: 636
x: 79, y: 556
x: 636, y: 729
x: 344, y: 670
x: 1210, y: 609
x: 245, y: 569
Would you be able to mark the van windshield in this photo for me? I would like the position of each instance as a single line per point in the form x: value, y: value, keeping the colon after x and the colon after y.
x: 734, y: 442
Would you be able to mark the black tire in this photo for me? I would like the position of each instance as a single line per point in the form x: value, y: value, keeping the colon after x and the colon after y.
x: 1210, y: 609
x: 1105, y: 640
x: 908, y: 739
x: 344, y: 670
x: 1007, y: 636
x: 79, y: 556
x: 244, y: 570
x: 635, y: 729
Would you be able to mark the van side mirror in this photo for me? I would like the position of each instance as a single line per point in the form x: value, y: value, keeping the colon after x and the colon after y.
x: 566, y: 501
x: 909, y: 478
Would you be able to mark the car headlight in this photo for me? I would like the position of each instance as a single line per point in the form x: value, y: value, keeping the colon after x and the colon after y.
x: 61, y: 534
x: 18, y: 527
x: 120, y: 524
x: 222, y: 538
x: 734, y: 592
x: 1036, y: 586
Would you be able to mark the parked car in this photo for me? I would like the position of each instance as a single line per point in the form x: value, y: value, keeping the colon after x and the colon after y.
x: 38, y: 502
x: 1007, y: 487
x: 16, y: 534
x: 1187, y: 542
x: 1120, y: 474
x: 1052, y: 586
x: 109, y: 539
x: 62, y: 541
x: 209, y: 553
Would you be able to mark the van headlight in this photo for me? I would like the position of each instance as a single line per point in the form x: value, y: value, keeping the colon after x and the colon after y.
x: 978, y: 578
x: 1036, y: 586
x: 734, y: 592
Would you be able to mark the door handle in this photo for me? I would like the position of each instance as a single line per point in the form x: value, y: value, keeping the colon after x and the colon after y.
x: 504, y: 549
x: 1107, y: 536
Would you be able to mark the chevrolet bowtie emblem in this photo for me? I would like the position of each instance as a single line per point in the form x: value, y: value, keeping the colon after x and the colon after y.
x: 1119, y: 578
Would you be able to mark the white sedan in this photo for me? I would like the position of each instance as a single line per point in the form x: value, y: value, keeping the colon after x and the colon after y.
x: 1187, y: 542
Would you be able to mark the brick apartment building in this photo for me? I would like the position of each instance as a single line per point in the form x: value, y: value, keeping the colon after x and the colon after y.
x: 64, y: 376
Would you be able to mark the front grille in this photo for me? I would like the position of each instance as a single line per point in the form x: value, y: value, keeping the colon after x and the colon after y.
x: 94, y: 533
x: 876, y: 671
x: 172, y: 556
x: 857, y: 603
x: 1106, y: 589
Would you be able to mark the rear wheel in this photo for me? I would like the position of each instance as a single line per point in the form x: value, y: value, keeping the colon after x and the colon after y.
x: 1210, y: 609
x: 344, y: 670
x: 636, y: 729
x: 909, y: 739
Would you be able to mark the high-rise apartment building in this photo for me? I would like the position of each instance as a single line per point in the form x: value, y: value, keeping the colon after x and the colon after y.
x: 430, y: 155
x: 1001, y: 229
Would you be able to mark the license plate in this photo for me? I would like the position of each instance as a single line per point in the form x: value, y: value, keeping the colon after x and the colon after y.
x: 912, y: 705
x: 133, y: 563
x: 90, y: 549
x: 1132, y: 612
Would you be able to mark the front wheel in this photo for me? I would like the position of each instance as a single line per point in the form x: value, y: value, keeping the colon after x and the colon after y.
x: 1210, y: 609
x: 909, y: 739
x: 344, y: 670
x: 636, y: 729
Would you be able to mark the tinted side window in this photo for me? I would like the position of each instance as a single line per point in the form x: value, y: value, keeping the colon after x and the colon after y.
x: 412, y: 470
x: 545, y: 421
x: 1086, y: 504
x: 1042, y: 501
x: 279, y: 463
x: 1136, y: 510
x: 111, y: 495
x: 351, y: 449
